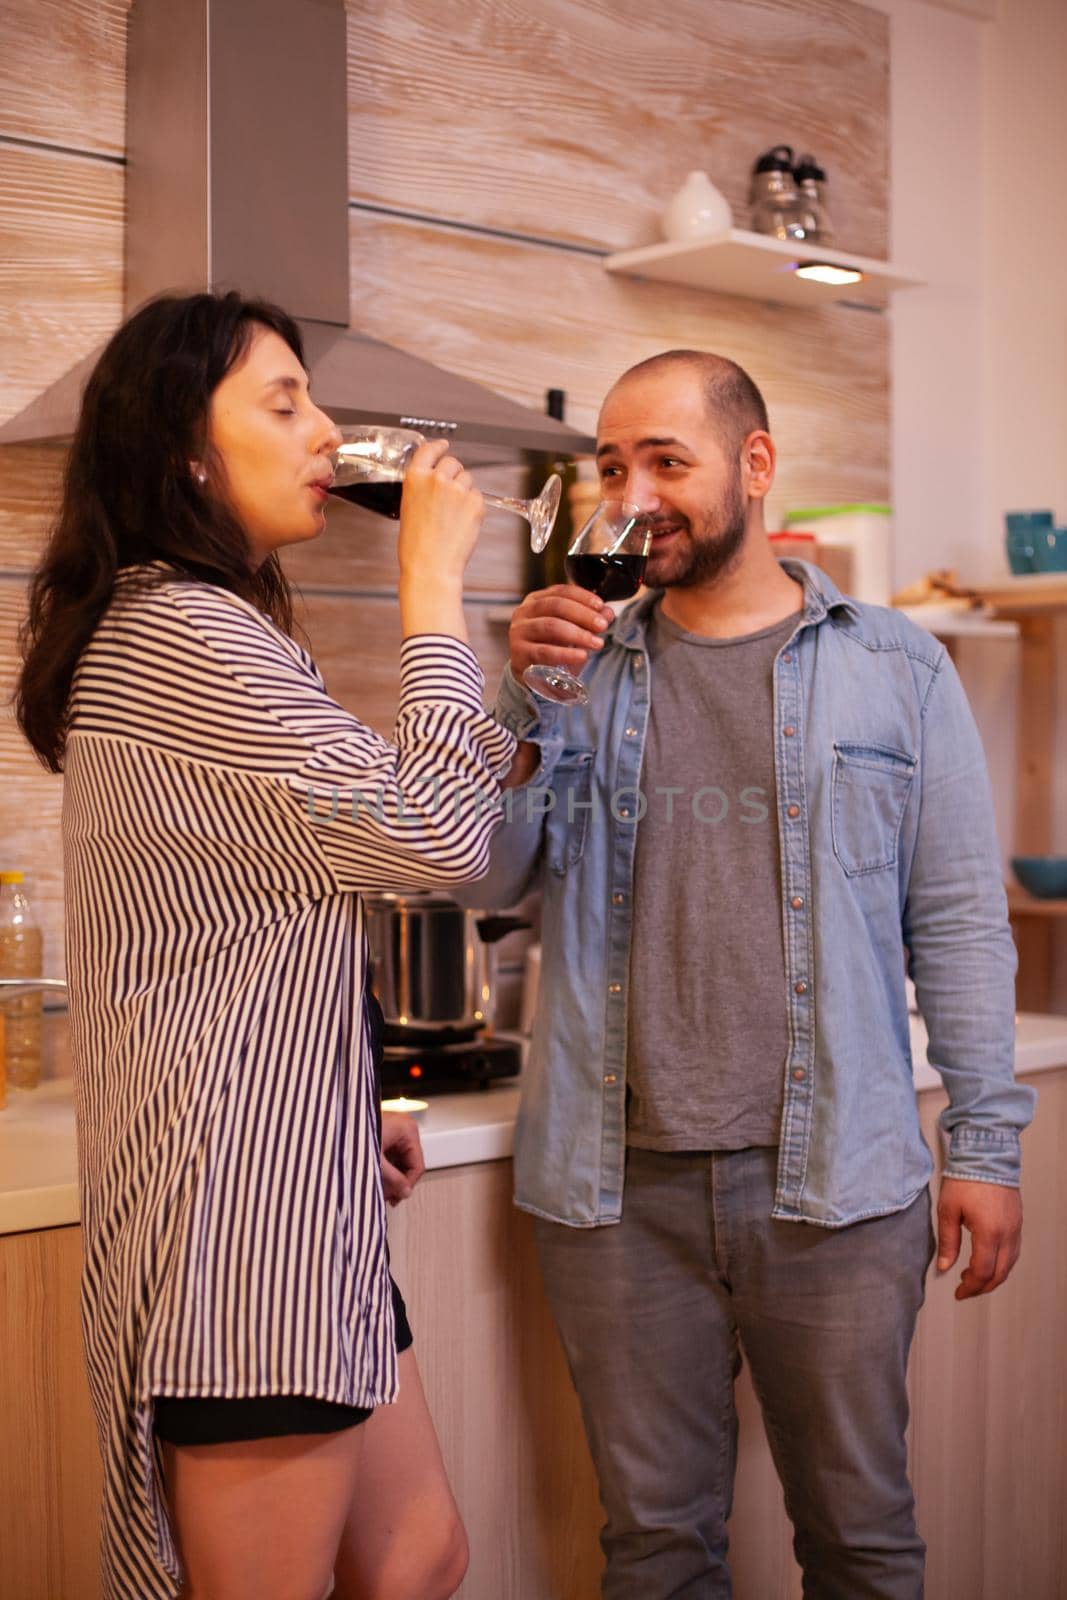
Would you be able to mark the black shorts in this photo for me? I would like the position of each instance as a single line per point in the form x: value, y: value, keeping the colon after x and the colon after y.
x: 268, y: 1416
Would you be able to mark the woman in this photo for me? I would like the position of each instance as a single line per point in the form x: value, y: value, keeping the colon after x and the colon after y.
x: 238, y: 1311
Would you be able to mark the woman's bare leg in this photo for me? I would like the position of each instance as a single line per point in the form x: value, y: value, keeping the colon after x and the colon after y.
x: 261, y: 1520
x: 403, y: 1538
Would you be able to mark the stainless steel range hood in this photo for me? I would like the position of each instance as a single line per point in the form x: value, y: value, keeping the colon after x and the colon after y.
x: 237, y: 177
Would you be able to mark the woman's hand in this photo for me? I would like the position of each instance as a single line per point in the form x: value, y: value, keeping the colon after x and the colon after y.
x: 440, y: 514
x: 402, y: 1160
x: 557, y: 626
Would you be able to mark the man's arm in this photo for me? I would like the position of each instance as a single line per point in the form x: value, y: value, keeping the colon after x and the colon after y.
x: 560, y: 625
x: 962, y: 959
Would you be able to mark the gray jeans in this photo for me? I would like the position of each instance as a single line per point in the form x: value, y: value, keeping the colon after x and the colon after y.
x: 656, y: 1313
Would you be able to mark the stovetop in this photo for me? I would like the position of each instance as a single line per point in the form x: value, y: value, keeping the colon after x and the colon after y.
x: 444, y: 1069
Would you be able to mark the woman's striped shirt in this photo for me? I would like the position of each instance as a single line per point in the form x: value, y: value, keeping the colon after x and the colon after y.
x: 220, y: 815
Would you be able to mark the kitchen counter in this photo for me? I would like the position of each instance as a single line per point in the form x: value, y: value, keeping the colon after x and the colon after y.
x: 38, y: 1157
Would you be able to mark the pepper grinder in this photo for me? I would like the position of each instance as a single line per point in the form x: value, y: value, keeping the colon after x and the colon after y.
x: 776, y: 202
x: 811, y: 183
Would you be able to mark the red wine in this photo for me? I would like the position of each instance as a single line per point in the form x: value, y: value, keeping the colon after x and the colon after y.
x: 610, y: 577
x: 384, y: 498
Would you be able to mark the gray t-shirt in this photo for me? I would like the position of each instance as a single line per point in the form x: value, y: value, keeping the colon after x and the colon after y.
x: 707, y: 1023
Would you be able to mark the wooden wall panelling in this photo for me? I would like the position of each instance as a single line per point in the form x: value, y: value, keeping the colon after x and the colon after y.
x: 64, y: 73
x: 356, y: 643
x: 577, y: 119
x: 31, y: 477
x: 358, y: 549
x: 523, y: 318
x: 61, y: 222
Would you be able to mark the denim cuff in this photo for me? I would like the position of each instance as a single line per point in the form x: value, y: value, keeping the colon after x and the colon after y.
x: 984, y: 1155
x: 520, y: 713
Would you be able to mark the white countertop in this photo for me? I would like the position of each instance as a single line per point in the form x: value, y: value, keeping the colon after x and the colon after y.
x: 38, y: 1157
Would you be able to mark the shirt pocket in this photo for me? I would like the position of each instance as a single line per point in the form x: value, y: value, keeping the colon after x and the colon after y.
x: 567, y: 823
x: 870, y: 789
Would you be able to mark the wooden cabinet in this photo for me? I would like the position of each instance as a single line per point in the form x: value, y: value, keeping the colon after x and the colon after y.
x: 49, y: 1463
x: 988, y: 1385
x: 1035, y: 607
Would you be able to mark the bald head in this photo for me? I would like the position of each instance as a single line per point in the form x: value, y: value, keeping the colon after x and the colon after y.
x: 734, y: 405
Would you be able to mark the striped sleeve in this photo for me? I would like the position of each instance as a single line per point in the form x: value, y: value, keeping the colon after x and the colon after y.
x: 418, y: 811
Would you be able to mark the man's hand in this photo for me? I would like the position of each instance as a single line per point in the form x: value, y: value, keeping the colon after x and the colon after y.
x: 557, y: 627
x: 994, y: 1216
x: 402, y: 1160
x: 526, y: 761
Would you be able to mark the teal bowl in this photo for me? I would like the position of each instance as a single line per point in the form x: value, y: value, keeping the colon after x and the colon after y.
x: 1045, y: 877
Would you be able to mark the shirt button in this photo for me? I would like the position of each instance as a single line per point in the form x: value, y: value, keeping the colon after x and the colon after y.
x: 639, y: 663
x: 610, y: 1078
x: 787, y: 658
x: 792, y: 811
x: 796, y: 902
x: 624, y: 812
x: 800, y: 988
x: 789, y: 731
x: 799, y: 1074
x: 618, y: 899
x: 631, y: 733
x: 615, y: 988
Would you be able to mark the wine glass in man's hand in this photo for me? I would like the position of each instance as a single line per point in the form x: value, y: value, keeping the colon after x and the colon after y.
x: 607, y: 556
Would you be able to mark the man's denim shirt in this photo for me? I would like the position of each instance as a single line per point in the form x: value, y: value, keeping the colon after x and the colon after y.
x: 886, y: 840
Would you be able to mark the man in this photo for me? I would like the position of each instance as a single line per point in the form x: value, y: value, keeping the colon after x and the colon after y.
x: 773, y: 794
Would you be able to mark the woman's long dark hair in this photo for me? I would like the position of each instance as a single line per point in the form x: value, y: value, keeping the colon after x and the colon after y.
x: 130, y: 496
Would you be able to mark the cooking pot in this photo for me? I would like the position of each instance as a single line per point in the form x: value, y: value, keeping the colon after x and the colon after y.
x: 430, y: 965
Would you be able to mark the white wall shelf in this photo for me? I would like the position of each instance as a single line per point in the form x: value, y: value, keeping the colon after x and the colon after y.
x: 760, y: 268
x: 948, y: 623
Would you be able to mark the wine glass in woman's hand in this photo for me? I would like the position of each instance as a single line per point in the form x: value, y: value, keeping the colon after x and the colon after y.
x: 607, y: 556
x: 369, y: 468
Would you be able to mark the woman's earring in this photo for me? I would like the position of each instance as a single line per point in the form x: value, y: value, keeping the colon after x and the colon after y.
x: 201, y: 476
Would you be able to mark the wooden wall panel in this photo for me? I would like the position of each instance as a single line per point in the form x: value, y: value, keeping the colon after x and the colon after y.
x: 64, y: 74
x: 60, y: 265
x: 31, y: 479
x: 356, y: 643
x: 523, y: 318
x: 358, y: 549
x: 577, y: 121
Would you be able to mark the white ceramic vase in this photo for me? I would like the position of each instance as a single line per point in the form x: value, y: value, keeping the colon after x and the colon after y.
x: 697, y: 211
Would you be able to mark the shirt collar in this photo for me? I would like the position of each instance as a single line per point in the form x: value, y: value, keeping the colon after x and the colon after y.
x: 821, y: 598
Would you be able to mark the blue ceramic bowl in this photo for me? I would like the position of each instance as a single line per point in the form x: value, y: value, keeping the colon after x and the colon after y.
x: 1045, y: 877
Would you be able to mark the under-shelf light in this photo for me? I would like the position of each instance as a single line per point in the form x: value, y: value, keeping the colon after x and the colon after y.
x: 822, y: 272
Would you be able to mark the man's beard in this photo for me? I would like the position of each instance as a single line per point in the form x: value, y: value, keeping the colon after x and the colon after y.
x: 713, y: 553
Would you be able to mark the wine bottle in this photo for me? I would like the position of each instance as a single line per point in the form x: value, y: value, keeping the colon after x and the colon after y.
x: 549, y: 565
